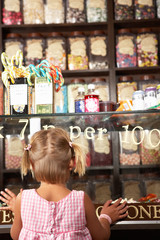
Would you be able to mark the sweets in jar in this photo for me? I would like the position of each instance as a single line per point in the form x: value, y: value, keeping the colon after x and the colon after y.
x: 56, y: 50
x: 149, y: 148
x: 147, y: 48
x: 14, y: 148
x: 126, y: 49
x: 148, y: 80
x: 12, y: 44
x: 96, y: 11
x: 54, y: 11
x: 101, y: 150
x: 131, y: 189
x: 144, y: 9
x: 102, y: 88
x: 77, y: 55
x: 152, y: 186
x: 34, y: 49
x: 33, y: 11
x: 123, y: 9
x: 129, y: 153
x: 98, y: 50
x: 12, y: 12
x: 75, y: 11
x: 158, y: 8
x: 125, y: 88
x: 102, y: 189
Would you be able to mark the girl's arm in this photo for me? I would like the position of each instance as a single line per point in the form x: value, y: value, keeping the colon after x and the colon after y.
x: 100, y: 229
x: 17, y: 223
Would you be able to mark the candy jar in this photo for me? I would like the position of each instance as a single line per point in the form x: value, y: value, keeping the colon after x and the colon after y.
x: 124, y: 10
x: 34, y: 49
x: 33, y: 11
x: 148, y: 80
x: 149, y: 148
x: 73, y: 92
x: 158, y: 8
x: 1, y: 97
x: 98, y: 50
x: 12, y: 13
x: 54, y: 11
x: 61, y: 100
x: 129, y: 153
x: 144, y: 9
x: 147, y: 48
x: 77, y: 55
x: 91, y: 99
x: 96, y: 11
x: 125, y: 88
x: 12, y: 44
x: 102, y: 87
x: 56, y: 50
x: 126, y: 49
x: 101, y: 150
x: 75, y: 11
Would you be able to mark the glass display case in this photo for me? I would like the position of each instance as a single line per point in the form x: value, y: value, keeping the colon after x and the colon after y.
x: 103, y: 136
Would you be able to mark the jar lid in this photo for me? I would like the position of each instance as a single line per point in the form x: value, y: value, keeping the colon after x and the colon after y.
x: 143, y: 30
x: 147, y: 77
x: 150, y: 89
x: 95, y: 80
x: 77, y: 80
x: 124, y: 30
x: 54, y: 34
x: 76, y: 33
x: 125, y: 78
x: 91, y: 86
x: 13, y: 35
x: 97, y: 32
x: 34, y: 34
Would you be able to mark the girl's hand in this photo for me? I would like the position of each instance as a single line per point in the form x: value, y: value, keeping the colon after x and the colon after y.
x: 116, y: 211
x: 9, y: 198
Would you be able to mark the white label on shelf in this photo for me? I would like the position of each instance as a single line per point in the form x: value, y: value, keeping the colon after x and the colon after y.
x: 18, y: 94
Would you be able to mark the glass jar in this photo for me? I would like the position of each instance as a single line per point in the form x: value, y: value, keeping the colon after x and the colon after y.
x: 12, y: 13
x: 124, y: 10
x: 125, y: 88
x: 73, y: 92
x: 96, y: 11
x: 56, y: 50
x: 144, y: 9
x: 147, y: 48
x: 33, y: 12
x: 75, y: 11
x: 138, y: 100
x: 101, y: 150
x: 34, y: 49
x: 77, y: 56
x: 158, y: 8
x: 102, y: 87
x: 54, y: 11
x: 149, y: 148
x: 12, y: 44
x: 1, y: 97
x: 150, y: 98
x: 61, y: 100
x: 126, y: 49
x: 129, y: 153
x: 98, y: 50
x: 147, y: 80
x: 102, y: 189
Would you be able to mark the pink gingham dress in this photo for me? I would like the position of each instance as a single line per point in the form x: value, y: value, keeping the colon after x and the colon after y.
x: 62, y: 220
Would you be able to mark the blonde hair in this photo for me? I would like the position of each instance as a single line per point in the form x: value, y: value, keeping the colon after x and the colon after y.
x: 50, y: 154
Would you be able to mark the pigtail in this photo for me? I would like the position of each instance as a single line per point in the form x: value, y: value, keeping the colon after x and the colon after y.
x: 80, y: 159
x: 25, y: 163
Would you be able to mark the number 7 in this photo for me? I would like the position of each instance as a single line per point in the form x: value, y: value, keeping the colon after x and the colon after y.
x: 23, y: 130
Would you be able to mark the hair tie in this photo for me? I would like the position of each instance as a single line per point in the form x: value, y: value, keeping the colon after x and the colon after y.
x: 28, y: 147
x: 70, y: 144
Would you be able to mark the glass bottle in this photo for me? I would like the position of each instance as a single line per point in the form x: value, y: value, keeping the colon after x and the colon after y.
x: 91, y: 100
x: 79, y: 101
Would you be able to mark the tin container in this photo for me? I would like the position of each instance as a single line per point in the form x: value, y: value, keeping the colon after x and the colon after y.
x: 150, y: 98
x: 138, y: 100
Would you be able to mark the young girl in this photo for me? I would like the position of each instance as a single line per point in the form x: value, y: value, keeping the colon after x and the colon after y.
x: 52, y: 211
